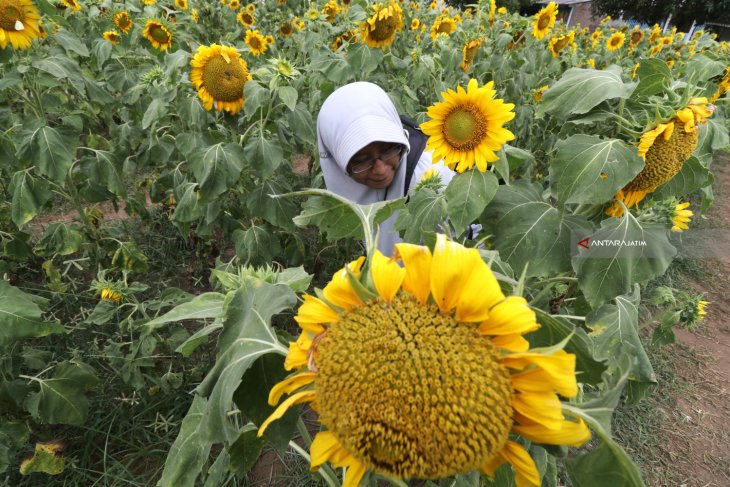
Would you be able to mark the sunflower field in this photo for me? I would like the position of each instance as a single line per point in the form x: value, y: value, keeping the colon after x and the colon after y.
x: 239, y: 308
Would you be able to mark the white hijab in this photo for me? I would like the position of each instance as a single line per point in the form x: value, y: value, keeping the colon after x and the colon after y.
x: 352, y: 117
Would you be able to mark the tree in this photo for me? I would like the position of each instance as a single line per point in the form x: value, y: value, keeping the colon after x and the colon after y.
x: 683, y: 12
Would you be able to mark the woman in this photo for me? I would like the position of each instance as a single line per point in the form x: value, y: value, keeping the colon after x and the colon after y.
x: 363, y: 149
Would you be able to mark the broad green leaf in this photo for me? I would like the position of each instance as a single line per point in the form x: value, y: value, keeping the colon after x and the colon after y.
x: 102, y: 51
x: 264, y: 155
x: 339, y: 217
x: 29, y: 196
x: 245, y: 451
x: 102, y: 168
x: 197, y: 339
x: 362, y: 59
x: 262, y: 201
x: 654, y: 77
x: 246, y: 336
x: 205, y: 306
x: 467, y: 195
x: 615, y: 331
x: 425, y: 213
x: 47, y: 458
x: 59, y: 239
x: 252, y: 398
x: 97, y: 93
x: 51, y: 150
x: 216, y: 169
x: 529, y: 231
x: 700, y: 68
x: 580, y: 90
x: 255, y: 97
x: 256, y: 245
x: 62, y: 67
x: 218, y: 472
x: 129, y: 257
x: 301, y: 123
x: 189, y: 452
x: 713, y: 137
x: 629, y: 253
x: 589, y: 169
x: 588, y: 367
x: 60, y: 399
x: 693, y: 176
x: 13, y: 436
x: 154, y: 112
x: 188, y: 208
x: 288, y: 95
x: 71, y: 43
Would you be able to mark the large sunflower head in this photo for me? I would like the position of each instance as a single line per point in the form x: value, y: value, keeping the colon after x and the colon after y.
x: 422, y: 371
x: 219, y: 74
x: 122, y: 21
x: 245, y: 18
x: 18, y: 23
x: 442, y: 26
x: 615, y: 41
x: 545, y: 20
x: 256, y: 42
x: 379, y: 29
x: 158, y: 34
x: 466, y: 127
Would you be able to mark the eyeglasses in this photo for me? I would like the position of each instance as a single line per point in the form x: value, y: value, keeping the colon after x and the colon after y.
x: 388, y: 156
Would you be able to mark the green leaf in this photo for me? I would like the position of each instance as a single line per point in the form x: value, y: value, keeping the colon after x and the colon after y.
x: 61, y: 400
x: 246, y: 335
x: 129, y: 257
x: 423, y: 214
x: 589, y: 169
x: 216, y: 169
x: 59, y: 239
x: 580, y: 90
x: 255, y: 97
x: 528, y: 230
x: 615, y: 332
x: 339, y: 217
x: 154, y: 112
x: 713, y: 137
x: 51, y: 150
x: 700, y: 68
x: 256, y: 245
x: 205, y: 306
x: 245, y: 451
x: 71, y: 43
x: 262, y: 201
x: 301, y: 123
x: 198, y: 338
x: 188, y: 208
x: 29, y: 196
x: 691, y: 177
x: 101, y: 168
x: 46, y: 459
x: 605, y: 272
x: 252, y: 398
x: 189, y: 452
x: 654, y: 77
x: 264, y: 155
x: 62, y: 67
x: 362, y: 59
x: 554, y: 330
x: 467, y: 195
x: 288, y: 96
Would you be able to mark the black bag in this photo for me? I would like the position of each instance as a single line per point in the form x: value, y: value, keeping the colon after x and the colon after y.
x: 417, y: 140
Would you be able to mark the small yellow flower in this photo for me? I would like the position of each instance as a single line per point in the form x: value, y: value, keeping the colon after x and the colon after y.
x: 701, y: 311
x: 681, y: 217
x: 539, y: 92
x: 109, y: 294
x: 615, y: 41
x: 111, y: 36
x: 181, y: 4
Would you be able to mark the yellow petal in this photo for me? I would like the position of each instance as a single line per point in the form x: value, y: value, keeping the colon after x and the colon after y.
x: 298, y: 398
x: 560, y: 366
x: 387, y: 275
x: 526, y: 473
x: 536, y: 379
x: 540, y: 407
x: 513, y: 343
x: 354, y: 474
x: 417, y: 261
x: 297, y: 357
x: 480, y: 293
x: 339, y: 291
x: 289, y: 385
x: 313, y: 313
x: 323, y: 447
x: 571, y: 433
x: 512, y: 315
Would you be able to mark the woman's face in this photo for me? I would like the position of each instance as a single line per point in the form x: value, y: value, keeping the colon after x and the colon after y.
x: 382, y: 172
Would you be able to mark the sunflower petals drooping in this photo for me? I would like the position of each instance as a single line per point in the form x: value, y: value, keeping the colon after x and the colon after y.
x: 466, y: 129
x: 18, y: 23
x: 681, y: 217
x: 219, y: 74
x: 416, y: 382
x: 379, y: 30
x: 545, y: 20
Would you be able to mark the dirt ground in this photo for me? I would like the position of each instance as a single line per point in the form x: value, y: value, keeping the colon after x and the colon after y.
x: 694, y: 439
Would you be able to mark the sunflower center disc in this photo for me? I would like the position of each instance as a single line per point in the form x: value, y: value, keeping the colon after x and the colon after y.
x: 465, y: 127
x: 159, y: 34
x: 9, y: 14
x: 412, y: 392
x: 286, y: 28
x: 543, y: 22
x: 224, y: 80
x: 445, y: 28
x: 384, y: 28
x: 636, y: 37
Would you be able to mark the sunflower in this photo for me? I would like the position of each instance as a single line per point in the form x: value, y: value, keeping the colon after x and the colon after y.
x: 158, y: 35
x: 666, y: 40
x: 656, y: 32
x: 330, y: 10
x: 122, y: 21
x: 379, y: 30
x: 182, y: 4
x: 234, y: 4
x: 245, y: 18
x: 466, y: 128
x: 250, y: 7
x: 701, y: 311
x: 430, y: 375
x: 194, y: 15
x: 681, y: 217
x: 442, y: 26
x: 557, y: 44
x: 468, y: 52
x: 72, y: 4
x: 286, y: 28
x: 415, y: 24
x: 636, y: 37
x: 591, y: 63
x: 615, y: 41
x: 18, y: 23
x: 109, y: 294
x: 538, y: 93
x: 255, y: 42
x: 111, y: 36
x: 492, y: 10
x: 664, y: 149
x: 655, y: 50
x: 219, y: 74
x: 545, y: 20
x: 149, y: 2
x: 269, y: 39
x: 635, y: 70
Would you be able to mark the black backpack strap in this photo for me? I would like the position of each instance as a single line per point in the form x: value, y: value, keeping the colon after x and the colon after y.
x: 417, y: 141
